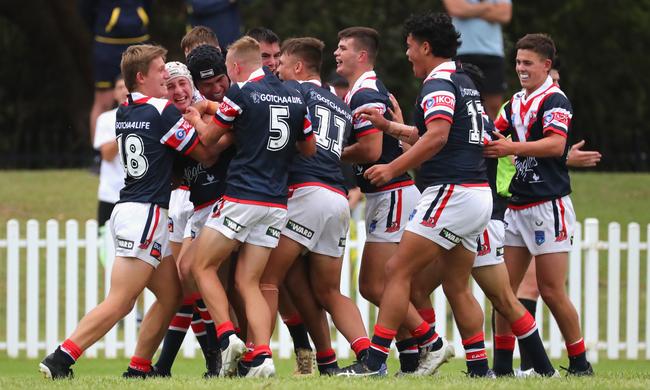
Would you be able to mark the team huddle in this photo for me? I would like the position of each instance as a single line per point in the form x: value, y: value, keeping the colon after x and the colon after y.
x: 245, y: 151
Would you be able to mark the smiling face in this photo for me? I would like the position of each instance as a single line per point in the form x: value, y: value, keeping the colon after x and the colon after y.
x: 214, y: 88
x: 179, y: 91
x: 270, y: 55
x: 532, y: 69
x: 347, y: 57
x: 153, y: 83
x: 416, y: 53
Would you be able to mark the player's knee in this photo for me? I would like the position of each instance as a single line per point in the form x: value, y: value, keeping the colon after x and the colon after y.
x: 419, y: 296
x: 551, y: 294
x: 369, y: 291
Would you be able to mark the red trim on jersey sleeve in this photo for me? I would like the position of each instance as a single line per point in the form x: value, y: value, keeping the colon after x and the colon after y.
x: 554, y: 130
x: 367, y: 132
x: 191, y: 147
x: 310, y: 136
x: 254, y: 202
x: 221, y: 122
x: 446, y: 117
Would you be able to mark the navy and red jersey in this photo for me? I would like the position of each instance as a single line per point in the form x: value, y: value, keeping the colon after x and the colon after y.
x: 206, y: 185
x: 449, y: 94
x: 370, y: 92
x: 499, y: 203
x: 531, y: 118
x: 149, y: 133
x: 267, y: 119
x: 332, y: 122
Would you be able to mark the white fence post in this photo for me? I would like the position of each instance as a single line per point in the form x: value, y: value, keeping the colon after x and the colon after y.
x: 52, y: 285
x: 647, y: 294
x: 13, y: 287
x: 91, y: 272
x: 32, y: 293
x: 613, y: 289
x: 633, y: 291
x: 575, y: 270
x: 71, y: 275
x: 591, y: 289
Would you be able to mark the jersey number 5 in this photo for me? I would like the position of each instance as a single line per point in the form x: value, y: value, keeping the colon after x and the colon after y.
x: 278, y: 127
x: 132, y: 155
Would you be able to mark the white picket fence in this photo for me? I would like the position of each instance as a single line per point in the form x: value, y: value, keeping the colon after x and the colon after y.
x: 26, y: 255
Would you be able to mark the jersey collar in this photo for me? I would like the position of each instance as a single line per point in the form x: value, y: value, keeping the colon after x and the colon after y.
x: 548, y: 83
x: 136, y: 97
x: 313, y: 81
x: 447, y: 66
x: 258, y: 74
x: 369, y: 75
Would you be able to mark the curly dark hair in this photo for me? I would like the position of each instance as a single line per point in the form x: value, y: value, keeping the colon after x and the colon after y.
x: 436, y: 29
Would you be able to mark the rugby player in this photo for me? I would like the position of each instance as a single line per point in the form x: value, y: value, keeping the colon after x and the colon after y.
x: 455, y: 207
x: 269, y: 121
x: 150, y: 131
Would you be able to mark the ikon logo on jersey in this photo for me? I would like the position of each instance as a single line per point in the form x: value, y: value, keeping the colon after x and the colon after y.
x: 227, y: 109
x: 444, y: 100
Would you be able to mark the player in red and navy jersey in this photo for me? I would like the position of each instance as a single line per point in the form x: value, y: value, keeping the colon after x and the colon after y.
x: 540, y: 218
x: 150, y: 131
x: 456, y: 205
x: 321, y: 231
x: 269, y: 122
x: 388, y: 205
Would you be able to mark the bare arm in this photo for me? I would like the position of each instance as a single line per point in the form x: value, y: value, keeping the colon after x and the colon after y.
x: 464, y: 10
x: 550, y: 146
x: 366, y: 150
x: 426, y: 147
x: 402, y: 132
x: 500, y: 13
x: 307, y: 147
x: 108, y: 150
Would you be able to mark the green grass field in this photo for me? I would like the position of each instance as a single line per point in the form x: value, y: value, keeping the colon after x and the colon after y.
x: 71, y: 194
x: 102, y: 374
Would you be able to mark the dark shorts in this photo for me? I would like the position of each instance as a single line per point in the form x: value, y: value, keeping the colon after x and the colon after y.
x: 106, y: 63
x: 493, y: 70
x: 104, y: 211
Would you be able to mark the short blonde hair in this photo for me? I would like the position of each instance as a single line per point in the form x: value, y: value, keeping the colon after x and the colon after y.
x: 136, y: 59
x: 246, y: 50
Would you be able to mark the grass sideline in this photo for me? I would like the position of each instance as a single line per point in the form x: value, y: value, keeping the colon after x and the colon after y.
x: 104, y: 374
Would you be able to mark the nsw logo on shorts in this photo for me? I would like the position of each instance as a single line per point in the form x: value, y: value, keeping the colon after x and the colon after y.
x: 298, y: 228
x: 232, y: 225
x: 124, y: 244
x: 170, y: 225
x: 449, y: 236
x: 373, y: 226
x: 156, y: 250
x: 539, y: 237
x: 273, y: 232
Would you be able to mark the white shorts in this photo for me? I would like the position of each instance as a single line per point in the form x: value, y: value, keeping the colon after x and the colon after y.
x: 180, y: 211
x: 451, y: 214
x: 139, y: 231
x: 245, y: 222
x: 387, y: 213
x: 490, y: 244
x: 197, y: 221
x: 544, y: 228
x: 318, y: 219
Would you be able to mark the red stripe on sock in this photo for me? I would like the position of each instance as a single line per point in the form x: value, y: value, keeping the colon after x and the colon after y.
x: 523, y: 325
x: 188, y: 301
x: 198, y: 327
x: 504, y: 342
x: 576, y: 348
x: 293, y: 320
x: 205, y: 315
x: 325, y: 354
x: 196, y: 296
x: 181, y: 322
x: 385, y: 332
x: 380, y: 348
x: 248, y: 357
x: 421, y: 330
x: 224, y: 327
x: 360, y: 344
x: 140, y: 364
x: 474, y: 339
x: 72, y: 349
x: 475, y: 355
x: 261, y: 349
x: 428, y: 314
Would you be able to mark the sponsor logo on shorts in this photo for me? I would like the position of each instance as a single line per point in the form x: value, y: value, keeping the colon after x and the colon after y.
x: 342, y: 241
x: 540, y: 238
x: 124, y: 244
x: 156, y: 250
x: 273, y: 232
x: 500, y: 251
x: 232, y: 225
x: 373, y: 226
x: 298, y: 228
x: 539, y: 223
x: 170, y: 225
x: 483, y: 249
x: 449, y: 235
